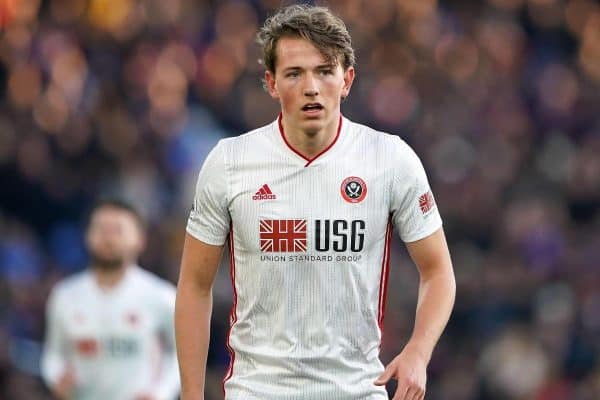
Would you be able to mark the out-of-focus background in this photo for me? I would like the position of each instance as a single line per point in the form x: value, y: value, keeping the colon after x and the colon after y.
x: 500, y: 98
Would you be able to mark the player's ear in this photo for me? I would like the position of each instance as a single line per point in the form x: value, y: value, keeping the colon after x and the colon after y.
x: 348, y: 79
x: 270, y: 84
x: 141, y: 242
x: 140, y: 238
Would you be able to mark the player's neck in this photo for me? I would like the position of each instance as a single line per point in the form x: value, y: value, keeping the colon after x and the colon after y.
x: 109, y: 278
x: 310, y: 144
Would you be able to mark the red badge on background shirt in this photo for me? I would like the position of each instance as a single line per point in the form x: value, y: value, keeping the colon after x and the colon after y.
x: 426, y: 202
x: 353, y: 189
x: 132, y: 319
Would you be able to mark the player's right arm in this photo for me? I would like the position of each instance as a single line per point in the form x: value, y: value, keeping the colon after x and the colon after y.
x: 207, y: 230
x: 193, y: 308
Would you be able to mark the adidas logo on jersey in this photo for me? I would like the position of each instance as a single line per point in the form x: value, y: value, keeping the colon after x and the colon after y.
x: 264, y: 193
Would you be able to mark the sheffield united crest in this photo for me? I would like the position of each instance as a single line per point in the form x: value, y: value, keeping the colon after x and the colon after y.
x: 353, y: 189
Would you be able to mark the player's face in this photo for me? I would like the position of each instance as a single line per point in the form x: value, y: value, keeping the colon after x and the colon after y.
x: 308, y: 88
x: 114, y: 238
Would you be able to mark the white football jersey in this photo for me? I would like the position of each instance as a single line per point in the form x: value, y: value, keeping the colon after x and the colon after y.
x: 119, y: 343
x: 309, y: 244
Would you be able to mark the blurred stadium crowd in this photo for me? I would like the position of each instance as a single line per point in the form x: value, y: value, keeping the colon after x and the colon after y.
x: 500, y: 98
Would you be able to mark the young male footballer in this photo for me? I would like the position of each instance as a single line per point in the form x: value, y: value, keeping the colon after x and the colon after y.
x: 308, y: 204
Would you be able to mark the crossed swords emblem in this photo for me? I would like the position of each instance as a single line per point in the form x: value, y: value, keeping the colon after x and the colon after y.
x: 353, y: 190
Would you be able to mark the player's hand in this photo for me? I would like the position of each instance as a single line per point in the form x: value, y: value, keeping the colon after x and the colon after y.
x: 63, y: 390
x: 409, y: 368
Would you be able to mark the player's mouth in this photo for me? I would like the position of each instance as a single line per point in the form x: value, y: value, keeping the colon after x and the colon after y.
x: 312, y: 108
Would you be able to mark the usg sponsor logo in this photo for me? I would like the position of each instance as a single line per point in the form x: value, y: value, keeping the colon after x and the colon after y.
x: 292, y: 235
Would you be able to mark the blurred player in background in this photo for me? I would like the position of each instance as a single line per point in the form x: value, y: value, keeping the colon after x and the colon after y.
x: 308, y: 203
x: 110, y: 328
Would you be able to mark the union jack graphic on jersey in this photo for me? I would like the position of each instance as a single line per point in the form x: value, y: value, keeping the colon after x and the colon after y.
x: 426, y: 202
x: 282, y: 235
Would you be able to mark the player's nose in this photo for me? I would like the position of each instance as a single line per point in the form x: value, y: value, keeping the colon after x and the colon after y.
x: 310, y: 86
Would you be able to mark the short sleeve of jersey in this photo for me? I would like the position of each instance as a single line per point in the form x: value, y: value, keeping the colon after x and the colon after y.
x: 414, y: 212
x: 209, y: 218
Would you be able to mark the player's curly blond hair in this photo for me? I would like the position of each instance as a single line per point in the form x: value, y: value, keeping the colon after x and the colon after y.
x: 316, y: 24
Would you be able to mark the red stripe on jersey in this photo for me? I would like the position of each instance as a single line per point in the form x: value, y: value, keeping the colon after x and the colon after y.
x: 309, y: 160
x: 233, y: 312
x: 267, y: 189
x: 385, y: 273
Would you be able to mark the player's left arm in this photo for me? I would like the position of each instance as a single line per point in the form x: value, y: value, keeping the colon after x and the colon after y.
x: 437, y: 290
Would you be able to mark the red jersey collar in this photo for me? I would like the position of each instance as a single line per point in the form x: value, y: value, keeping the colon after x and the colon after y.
x: 309, y: 160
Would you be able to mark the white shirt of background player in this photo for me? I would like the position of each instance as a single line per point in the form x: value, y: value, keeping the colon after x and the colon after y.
x: 109, y: 329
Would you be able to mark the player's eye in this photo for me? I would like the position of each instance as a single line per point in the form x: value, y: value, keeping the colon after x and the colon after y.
x: 292, y: 74
x: 326, y: 72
